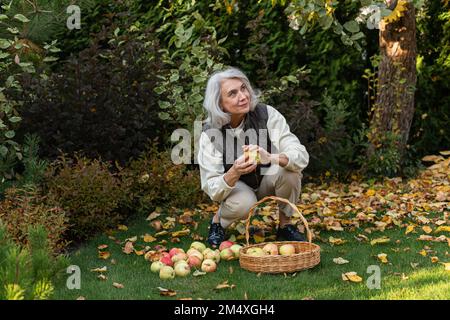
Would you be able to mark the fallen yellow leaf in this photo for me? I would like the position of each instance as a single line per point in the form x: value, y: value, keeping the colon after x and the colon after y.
x: 446, y: 265
x: 434, y: 259
x: 382, y: 257
x: 340, y: 260
x: 442, y: 228
x: 118, y: 285
x: 336, y: 241
x: 104, y: 255
x: 351, y: 276
x: 427, y: 229
x: 409, y: 229
x: 102, y: 269
x: 128, y: 247
x: 122, y: 227
x: 370, y: 192
x: 423, y: 253
x: 380, y: 240
x: 149, y: 238
x: 181, y: 233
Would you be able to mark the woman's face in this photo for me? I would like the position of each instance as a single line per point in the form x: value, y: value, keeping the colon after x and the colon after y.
x: 235, y: 97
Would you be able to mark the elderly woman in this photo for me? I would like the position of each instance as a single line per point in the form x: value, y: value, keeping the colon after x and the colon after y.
x: 246, y: 152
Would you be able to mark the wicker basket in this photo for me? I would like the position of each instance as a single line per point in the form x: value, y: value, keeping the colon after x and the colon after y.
x: 307, y: 254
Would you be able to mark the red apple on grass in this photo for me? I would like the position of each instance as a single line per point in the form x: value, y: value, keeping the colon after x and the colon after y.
x: 165, y: 258
x: 236, y: 249
x: 226, y: 254
x: 209, y: 265
x: 194, y: 261
x: 225, y: 244
x: 166, y: 273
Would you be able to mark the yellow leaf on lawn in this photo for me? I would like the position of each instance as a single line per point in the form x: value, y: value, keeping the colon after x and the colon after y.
x: 424, y: 237
x: 118, y: 285
x: 336, y: 241
x: 162, y: 233
x: 434, y: 259
x: 102, y: 269
x: 132, y: 239
x: 427, y: 229
x: 139, y: 253
x: 340, y: 260
x: 122, y: 227
x: 370, y: 192
x: 351, y: 276
x: 446, y: 265
x: 423, y: 253
x: 225, y: 285
x: 442, y: 228
x: 181, y: 233
x: 104, y: 255
x: 382, y: 257
x: 149, y: 238
x: 409, y: 229
x: 380, y: 240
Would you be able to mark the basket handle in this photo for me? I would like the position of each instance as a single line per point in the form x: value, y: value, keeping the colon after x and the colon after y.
x: 247, y: 235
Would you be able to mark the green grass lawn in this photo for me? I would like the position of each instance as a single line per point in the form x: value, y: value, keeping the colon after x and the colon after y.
x: 427, y: 280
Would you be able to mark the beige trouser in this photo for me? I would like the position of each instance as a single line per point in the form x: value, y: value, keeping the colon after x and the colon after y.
x: 284, y: 184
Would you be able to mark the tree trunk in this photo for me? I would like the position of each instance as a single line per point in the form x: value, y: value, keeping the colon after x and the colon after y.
x: 394, y: 107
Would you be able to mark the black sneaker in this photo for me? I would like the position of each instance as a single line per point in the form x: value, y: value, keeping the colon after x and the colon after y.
x: 289, y: 233
x: 216, y: 234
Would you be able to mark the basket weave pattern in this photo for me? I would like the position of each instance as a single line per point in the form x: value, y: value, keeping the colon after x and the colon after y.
x: 307, y: 254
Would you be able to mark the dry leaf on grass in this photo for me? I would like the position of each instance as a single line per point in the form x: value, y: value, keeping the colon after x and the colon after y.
x: 118, y: 285
x: 351, y: 276
x: 225, y: 285
x: 167, y: 292
x: 340, y: 260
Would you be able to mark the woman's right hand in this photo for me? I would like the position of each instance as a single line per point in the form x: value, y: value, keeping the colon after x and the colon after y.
x: 243, y: 165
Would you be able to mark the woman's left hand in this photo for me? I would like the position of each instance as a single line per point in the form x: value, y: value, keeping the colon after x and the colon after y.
x: 263, y: 157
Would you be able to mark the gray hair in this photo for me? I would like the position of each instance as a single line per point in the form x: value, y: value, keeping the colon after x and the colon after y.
x: 216, y: 116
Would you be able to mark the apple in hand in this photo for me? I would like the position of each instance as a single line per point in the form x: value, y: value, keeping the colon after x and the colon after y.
x: 209, y: 265
x: 166, y: 273
x: 271, y: 249
x: 287, y: 249
x: 182, y: 269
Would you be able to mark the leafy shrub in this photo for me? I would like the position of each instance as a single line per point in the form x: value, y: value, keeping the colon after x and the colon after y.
x: 88, y: 193
x: 101, y: 103
x: 25, y: 207
x: 153, y: 180
x: 26, y: 272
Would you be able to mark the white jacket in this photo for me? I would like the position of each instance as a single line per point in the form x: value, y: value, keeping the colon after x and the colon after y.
x: 211, y: 162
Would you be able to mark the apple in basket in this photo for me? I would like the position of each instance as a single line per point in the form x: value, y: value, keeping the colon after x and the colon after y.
x: 287, y: 249
x: 270, y: 249
x: 255, y: 252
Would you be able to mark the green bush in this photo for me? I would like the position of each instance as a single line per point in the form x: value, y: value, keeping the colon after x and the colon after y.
x: 26, y: 272
x: 101, y: 102
x: 153, y: 180
x: 88, y: 193
x: 27, y: 206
